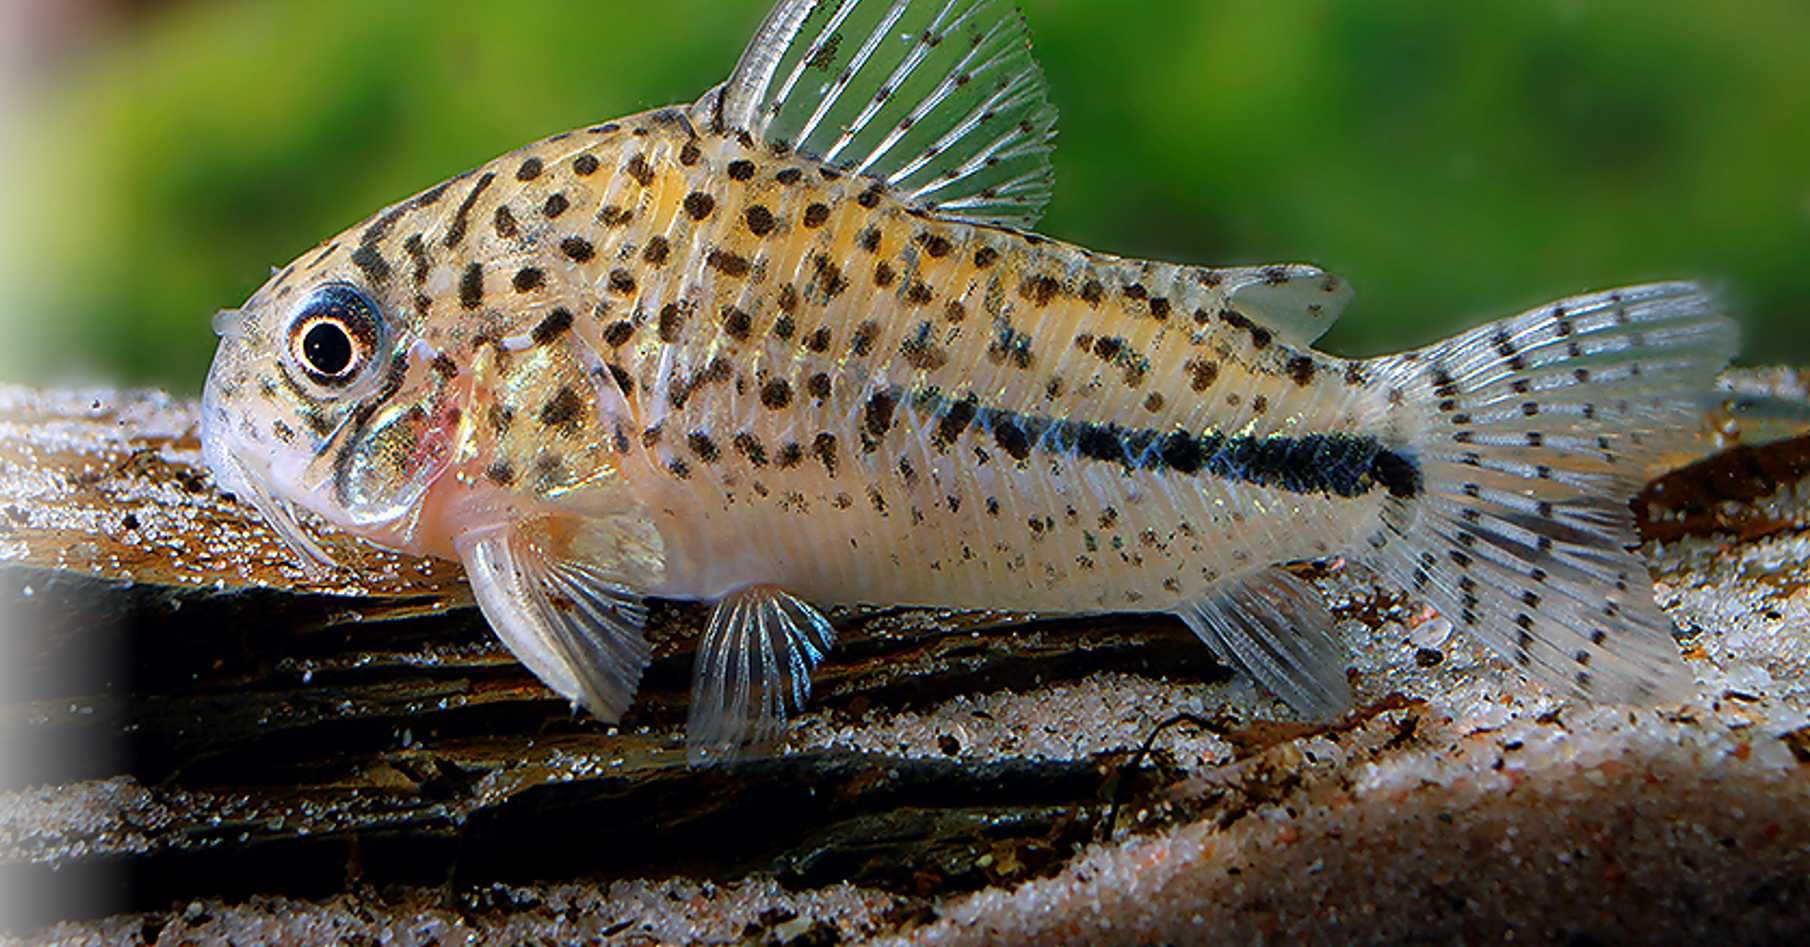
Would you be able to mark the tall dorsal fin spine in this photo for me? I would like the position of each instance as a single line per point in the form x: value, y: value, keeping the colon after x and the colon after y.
x: 737, y: 102
x: 940, y: 100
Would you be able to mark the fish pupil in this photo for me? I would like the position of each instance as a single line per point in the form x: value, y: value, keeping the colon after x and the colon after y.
x: 327, y: 348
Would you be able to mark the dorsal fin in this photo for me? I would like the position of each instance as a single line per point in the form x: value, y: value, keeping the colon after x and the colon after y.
x: 940, y: 99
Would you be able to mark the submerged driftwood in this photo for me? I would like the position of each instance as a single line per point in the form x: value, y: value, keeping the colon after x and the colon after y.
x: 205, y: 741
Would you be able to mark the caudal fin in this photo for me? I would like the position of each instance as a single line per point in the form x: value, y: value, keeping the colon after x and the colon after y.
x: 1531, y: 435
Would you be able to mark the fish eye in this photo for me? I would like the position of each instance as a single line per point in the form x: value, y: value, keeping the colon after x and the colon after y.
x: 334, y: 335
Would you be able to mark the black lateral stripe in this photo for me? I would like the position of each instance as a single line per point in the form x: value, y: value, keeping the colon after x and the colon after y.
x: 1343, y: 465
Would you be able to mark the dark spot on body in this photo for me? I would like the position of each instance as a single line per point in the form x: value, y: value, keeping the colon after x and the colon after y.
x: 417, y: 251
x: 584, y: 165
x: 829, y: 276
x: 737, y: 323
x: 701, y: 445
x: 471, y: 286
x: 640, y: 170
x: 672, y: 321
x: 862, y: 344
x: 376, y: 268
x: 556, y: 205
x: 529, y: 170
x: 528, y: 279
x: 505, y: 224
x: 577, y: 249
x: 776, y: 394
x: 1041, y: 289
x: 816, y: 216
x: 937, y: 245
x: 718, y: 371
x: 823, y: 447
x: 1203, y: 374
x: 1260, y: 337
x: 1010, y: 346
x: 732, y: 265
x: 760, y: 220
x: 749, y: 446
x: 1301, y: 370
x: 553, y: 326
x: 879, y: 412
x: 563, y: 411
x: 657, y: 251
x: 699, y: 205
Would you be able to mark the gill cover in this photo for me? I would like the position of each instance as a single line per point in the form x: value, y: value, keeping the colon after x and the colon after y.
x: 395, y: 429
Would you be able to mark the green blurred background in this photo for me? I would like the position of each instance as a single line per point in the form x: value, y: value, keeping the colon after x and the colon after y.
x: 1454, y: 160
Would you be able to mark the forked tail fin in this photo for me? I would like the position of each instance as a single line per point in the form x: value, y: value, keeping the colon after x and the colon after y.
x: 1531, y: 436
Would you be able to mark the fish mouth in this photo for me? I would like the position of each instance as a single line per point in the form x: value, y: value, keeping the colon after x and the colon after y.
x: 281, y: 516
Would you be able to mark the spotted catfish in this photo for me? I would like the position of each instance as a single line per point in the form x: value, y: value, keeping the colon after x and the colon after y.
x: 795, y: 345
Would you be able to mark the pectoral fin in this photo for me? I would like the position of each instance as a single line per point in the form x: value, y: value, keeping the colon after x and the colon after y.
x: 1274, y: 627
x: 753, y: 668
x: 574, y: 626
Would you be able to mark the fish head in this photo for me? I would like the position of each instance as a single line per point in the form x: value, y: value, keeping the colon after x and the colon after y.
x: 325, y: 396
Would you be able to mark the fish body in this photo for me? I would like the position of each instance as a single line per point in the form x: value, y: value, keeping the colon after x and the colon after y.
x: 795, y: 344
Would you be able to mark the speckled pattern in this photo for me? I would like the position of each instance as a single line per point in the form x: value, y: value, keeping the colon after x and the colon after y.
x: 767, y: 349
x: 796, y: 342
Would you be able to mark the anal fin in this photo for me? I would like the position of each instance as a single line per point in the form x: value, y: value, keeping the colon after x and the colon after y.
x: 573, y: 625
x: 753, y: 668
x: 1274, y: 627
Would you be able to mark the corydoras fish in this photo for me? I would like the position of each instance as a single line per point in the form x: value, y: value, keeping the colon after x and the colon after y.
x: 795, y: 345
